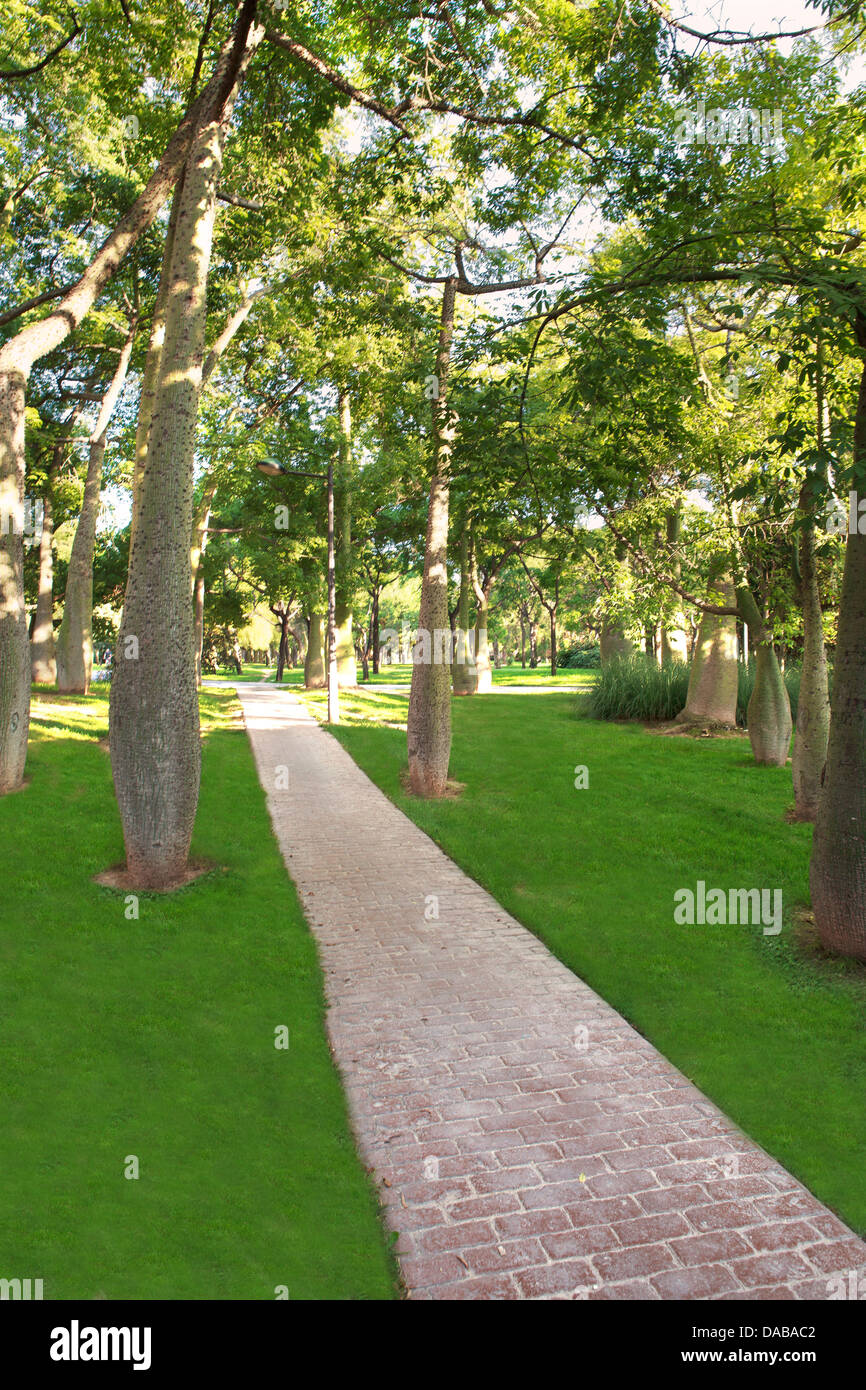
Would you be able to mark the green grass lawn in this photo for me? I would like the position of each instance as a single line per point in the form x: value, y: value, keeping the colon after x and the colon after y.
x: 768, y: 1027
x: 401, y: 674
x: 156, y: 1038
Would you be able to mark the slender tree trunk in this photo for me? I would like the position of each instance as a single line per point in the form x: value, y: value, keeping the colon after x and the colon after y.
x: 714, y: 678
x: 483, y: 668
x: 813, y: 706
x: 283, y: 652
x: 314, y: 663
x: 838, y: 868
x: 769, y: 711
x: 74, y: 640
x: 43, y: 663
x: 14, y: 638
x: 533, y: 645
x: 464, y: 672
x: 429, y: 721
x: 347, y: 672
x: 374, y: 631
x: 552, y: 614
x: 154, y: 725
x: 674, y: 639
x: 522, y: 644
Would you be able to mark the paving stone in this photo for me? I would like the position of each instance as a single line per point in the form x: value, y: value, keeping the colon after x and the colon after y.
x: 511, y: 1163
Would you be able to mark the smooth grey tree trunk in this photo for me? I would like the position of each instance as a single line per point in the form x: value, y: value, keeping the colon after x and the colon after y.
x: 769, y: 711
x: 714, y: 675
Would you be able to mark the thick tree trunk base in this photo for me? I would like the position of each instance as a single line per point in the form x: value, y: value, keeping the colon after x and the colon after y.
x: 769, y: 713
x: 121, y: 877
x: 714, y: 676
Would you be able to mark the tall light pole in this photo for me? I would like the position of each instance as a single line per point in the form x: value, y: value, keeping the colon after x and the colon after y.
x: 272, y: 469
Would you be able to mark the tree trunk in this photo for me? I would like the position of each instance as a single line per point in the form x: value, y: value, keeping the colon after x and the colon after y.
x: 533, y: 645
x: 552, y: 613
x: 429, y: 721
x: 14, y: 639
x: 43, y: 664
x: 282, y: 655
x: 674, y: 640
x: 347, y: 671
x: 464, y: 674
x: 483, y: 670
x: 614, y: 643
x: 522, y: 644
x: 41, y: 337
x: 198, y: 622
x: 74, y: 641
x: 314, y: 662
x: 813, y: 706
x: 714, y: 680
x: 769, y: 711
x: 374, y: 632
x: 154, y: 724
x: 838, y: 868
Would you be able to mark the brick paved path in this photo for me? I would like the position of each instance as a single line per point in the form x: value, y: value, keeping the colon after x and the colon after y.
x: 527, y: 1142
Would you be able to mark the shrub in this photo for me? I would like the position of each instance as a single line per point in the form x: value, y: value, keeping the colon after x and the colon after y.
x: 636, y: 687
x: 583, y: 656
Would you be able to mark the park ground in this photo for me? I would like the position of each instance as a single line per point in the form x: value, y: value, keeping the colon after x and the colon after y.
x: 144, y: 1036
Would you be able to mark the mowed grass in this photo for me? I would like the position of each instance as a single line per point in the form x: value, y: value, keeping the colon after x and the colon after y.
x: 155, y: 1038
x: 401, y: 674
x: 768, y: 1027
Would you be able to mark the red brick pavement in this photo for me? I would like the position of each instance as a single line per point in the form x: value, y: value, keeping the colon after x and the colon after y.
x: 527, y: 1142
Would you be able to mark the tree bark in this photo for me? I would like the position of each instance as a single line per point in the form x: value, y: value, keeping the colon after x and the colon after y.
x: 613, y: 642
x: 769, y: 712
x: 838, y: 868
x: 374, y: 631
x: 314, y: 662
x: 429, y: 721
x: 35, y: 341
x: 347, y: 671
x: 813, y: 706
x: 74, y: 640
x: 714, y: 678
x: 154, y: 724
x: 43, y: 662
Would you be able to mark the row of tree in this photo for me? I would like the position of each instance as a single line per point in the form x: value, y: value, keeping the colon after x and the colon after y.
x: 564, y: 345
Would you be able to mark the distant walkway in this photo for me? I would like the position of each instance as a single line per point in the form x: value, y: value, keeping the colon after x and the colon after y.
x: 526, y: 1141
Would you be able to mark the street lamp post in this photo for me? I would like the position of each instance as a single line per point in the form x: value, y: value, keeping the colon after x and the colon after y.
x: 272, y: 469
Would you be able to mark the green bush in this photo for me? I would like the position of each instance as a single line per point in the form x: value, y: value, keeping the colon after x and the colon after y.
x: 583, y: 656
x: 636, y: 687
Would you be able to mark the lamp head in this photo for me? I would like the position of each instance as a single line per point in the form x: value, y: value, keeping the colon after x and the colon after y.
x: 271, y: 468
